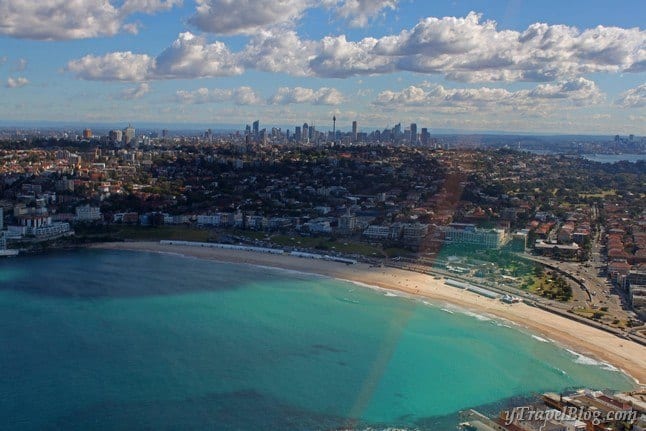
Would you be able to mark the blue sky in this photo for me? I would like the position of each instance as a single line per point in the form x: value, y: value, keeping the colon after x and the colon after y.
x: 527, y: 66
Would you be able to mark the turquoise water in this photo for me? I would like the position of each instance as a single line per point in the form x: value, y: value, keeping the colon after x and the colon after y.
x: 121, y: 340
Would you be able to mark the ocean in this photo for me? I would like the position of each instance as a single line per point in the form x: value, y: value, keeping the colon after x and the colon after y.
x: 106, y: 340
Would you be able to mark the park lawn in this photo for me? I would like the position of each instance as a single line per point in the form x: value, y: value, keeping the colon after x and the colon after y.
x: 181, y: 233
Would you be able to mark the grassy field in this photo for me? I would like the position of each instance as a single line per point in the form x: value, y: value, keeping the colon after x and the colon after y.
x: 141, y: 233
x: 552, y: 287
x: 326, y: 244
x: 148, y: 233
x: 601, y: 194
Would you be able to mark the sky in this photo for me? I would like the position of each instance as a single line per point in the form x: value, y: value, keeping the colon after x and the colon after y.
x: 497, y: 65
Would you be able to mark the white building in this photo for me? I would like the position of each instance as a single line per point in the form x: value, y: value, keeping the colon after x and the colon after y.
x: 319, y: 226
x: 414, y: 232
x: 51, y: 230
x: 87, y: 213
x: 463, y: 233
x: 176, y: 219
x: 347, y: 223
x: 208, y: 220
x: 377, y: 232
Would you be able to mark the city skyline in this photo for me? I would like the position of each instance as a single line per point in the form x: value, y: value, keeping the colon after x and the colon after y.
x: 469, y: 66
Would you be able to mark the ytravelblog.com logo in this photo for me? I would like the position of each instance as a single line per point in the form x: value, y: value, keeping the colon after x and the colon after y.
x: 595, y: 417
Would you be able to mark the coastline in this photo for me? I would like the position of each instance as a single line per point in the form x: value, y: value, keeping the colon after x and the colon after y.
x: 626, y: 355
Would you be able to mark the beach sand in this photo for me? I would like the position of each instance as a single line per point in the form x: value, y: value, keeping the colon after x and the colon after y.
x: 621, y: 353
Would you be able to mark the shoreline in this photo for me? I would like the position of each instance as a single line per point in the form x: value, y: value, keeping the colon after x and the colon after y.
x: 623, y: 354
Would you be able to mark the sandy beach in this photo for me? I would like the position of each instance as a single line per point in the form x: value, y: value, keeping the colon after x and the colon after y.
x: 621, y: 353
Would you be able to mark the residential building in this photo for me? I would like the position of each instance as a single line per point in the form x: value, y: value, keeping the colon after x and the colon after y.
x: 469, y: 234
x: 347, y: 223
x: 128, y: 135
x: 377, y: 233
x: 87, y: 213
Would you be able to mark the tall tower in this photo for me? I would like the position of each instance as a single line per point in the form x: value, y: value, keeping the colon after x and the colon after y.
x: 305, y: 133
x: 128, y: 134
x: 413, y: 133
x: 334, y: 126
x: 354, y: 131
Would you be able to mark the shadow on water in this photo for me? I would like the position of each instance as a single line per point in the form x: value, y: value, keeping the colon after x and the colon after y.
x: 87, y: 274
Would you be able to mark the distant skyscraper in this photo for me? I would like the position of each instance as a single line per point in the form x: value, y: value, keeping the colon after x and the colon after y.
x: 354, y: 131
x: 334, y: 126
x: 305, y: 132
x: 256, y: 127
x: 87, y: 134
x: 297, y: 134
x: 165, y: 133
x: 128, y: 135
x: 413, y: 133
x: 397, y: 131
x: 425, y: 137
x: 116, y: 136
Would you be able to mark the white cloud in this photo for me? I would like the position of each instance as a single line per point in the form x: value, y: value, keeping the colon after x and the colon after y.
x: 462, y: 49
x: 148, y: 6
x: 188, y: 57
x: 359, y: 12
x: 115, y: 66
x: 72, y: 19
x: 322, y: 96
x: 633, y: 98
x: 18, y: 82
x: 136, y: 92
x: 576, y: 92
x: 471, y: 50
x: 245, y: 16
x: 279, y: 51
x: 251, y: 16
x: 337, y: 57
x: 239, y: 96
x: 191, y: 56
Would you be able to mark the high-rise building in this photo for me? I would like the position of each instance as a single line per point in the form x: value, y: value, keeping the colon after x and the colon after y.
x: 256, y: 127
x: 354, y: 131
x: 425, y: 137
x: 305, y: 132
x: 128, y: 135
x: 297, y: 134
x: 87, y: 134
x: 397, y: 132
x: 116, y: 136
x: 413, y: 133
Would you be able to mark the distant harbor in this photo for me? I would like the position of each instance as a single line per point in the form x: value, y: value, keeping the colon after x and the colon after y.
x: 613, y: 158
x: 601, y: 158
